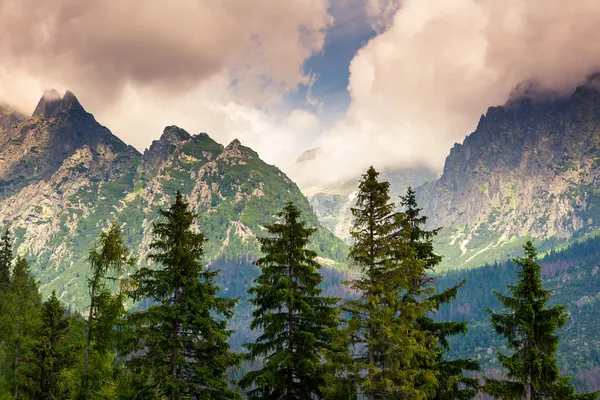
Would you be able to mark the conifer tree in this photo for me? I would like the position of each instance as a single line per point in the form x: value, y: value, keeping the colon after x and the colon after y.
x: 295, y: 319
x: 530, y: 330
x: 452, y: 382
x: 108, y: 261
x: 22, y: 321
x: 6, y: 257
x: 376, y: 355
x: 178, y: 347
x: 49, y: 355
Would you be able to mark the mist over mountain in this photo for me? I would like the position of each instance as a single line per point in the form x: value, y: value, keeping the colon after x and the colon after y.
x: 529, y: 170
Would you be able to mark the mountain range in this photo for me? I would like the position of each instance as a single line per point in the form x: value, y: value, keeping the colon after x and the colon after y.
x: 64, y: 177
x: 530, y: 169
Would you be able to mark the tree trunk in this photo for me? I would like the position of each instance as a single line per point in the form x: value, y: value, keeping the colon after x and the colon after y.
x: 175, y: 348
x: 371, y: 394
x: 16, y: 370
x: 371, y: 362
x: 290, y: 393
x: 530, y: 391
x: 88, y: 340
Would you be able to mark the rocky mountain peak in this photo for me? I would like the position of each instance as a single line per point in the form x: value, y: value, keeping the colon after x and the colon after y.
x: 70, y: 101
x: 51, y: 104
x: 48, y: 104
x: 159, y: 151
x: 528, y: 170
x: 236, y: 153
x: 51, y: 95
x: 174, y: 135
x: 235, y: 143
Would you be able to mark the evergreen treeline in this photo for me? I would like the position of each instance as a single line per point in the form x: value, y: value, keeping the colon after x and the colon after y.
x: 387, y: 341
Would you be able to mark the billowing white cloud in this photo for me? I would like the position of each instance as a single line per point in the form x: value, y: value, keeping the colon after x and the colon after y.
x: 421, y: 85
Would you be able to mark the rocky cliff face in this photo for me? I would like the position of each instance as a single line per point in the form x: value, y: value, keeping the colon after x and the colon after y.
x: 35, y: 149
x: 64, y: 177
x: 531, y: 169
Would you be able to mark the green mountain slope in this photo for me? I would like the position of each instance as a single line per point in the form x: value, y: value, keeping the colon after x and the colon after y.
x: 64, y: 177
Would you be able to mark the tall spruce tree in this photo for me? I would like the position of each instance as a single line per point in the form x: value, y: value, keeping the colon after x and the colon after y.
x: 453, y: 384
x: 6, y: 257
x: 296, y: 321
x: 50, y: 354
x: 178, y: 347
x: 530, y: 330
x: 22, y: 321
x: 377, y: 354
x: 108, y: 261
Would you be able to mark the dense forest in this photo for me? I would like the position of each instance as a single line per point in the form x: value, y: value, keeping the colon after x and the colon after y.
x: 161, y: 331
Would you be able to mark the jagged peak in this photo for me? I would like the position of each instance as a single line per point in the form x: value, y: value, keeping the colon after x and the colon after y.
x: 235, y: 151
x: 48, y: 104
x: 70, y: 100
x: 207, y: 142
x: 237, y: 146
x: 52, y: 103
x: 235, y: 143
x: 51, y: 95
x: 173, y: 134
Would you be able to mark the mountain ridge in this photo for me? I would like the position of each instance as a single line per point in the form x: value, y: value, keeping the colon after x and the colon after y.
x: 64, y: 177
x: 529, y: 169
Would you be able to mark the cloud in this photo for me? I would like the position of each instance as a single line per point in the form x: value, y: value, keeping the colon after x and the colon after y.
x: 381, y: 12
x: 105, y: 45
x: 226, y: 66
x: 421, y: 84
x: 218, y: 66
x: 276, y: 134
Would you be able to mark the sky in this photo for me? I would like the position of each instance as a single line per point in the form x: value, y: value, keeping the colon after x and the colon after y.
x: 389, y: 83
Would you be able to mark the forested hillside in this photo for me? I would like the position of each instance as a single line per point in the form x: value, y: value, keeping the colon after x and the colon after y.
x: 573, y: 275
x: 289, y: 327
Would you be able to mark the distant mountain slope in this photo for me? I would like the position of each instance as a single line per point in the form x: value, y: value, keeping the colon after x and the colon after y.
x: 332, y: 203
x: 63, y: 177
x: 530, y: 169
